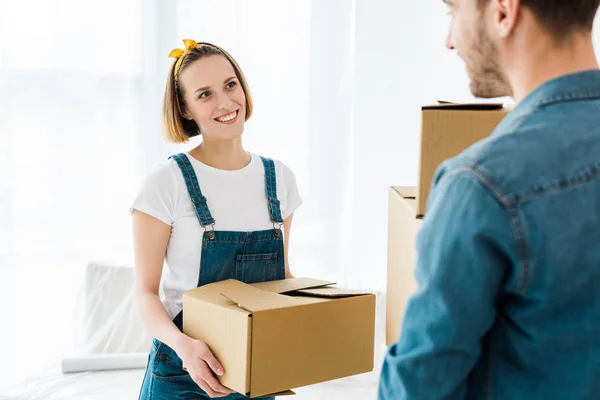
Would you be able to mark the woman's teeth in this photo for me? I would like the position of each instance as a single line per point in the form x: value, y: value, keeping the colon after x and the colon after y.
x: 228, y: 117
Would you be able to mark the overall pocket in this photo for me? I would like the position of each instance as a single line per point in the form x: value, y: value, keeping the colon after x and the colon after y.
x: 253, y: 268
x: 167, y: 364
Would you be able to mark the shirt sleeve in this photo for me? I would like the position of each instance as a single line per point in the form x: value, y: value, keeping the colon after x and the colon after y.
x: 465, y: 249
x: 289, y: 194
x: 157, y: 196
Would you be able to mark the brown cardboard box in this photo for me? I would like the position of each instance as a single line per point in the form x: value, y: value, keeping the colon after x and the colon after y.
x: 447, y: 130
x: 402, y: 256
x: 274, y: 336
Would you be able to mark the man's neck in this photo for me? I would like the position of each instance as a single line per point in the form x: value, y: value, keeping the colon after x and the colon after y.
x: 543, y: 60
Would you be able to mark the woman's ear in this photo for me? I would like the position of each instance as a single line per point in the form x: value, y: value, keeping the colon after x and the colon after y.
x: 185, y: 115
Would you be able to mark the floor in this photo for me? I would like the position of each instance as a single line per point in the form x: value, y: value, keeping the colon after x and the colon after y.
x: 36, y: 323
x: 124, y: 385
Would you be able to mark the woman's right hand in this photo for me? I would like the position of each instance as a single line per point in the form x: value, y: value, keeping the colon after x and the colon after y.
x: 151, y: 237
x: 202, y: 366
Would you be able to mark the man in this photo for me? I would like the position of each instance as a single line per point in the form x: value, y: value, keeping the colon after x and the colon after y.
x: 508, y: 305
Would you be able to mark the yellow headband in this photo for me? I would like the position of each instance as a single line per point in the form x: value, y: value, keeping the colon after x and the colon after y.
x: 180, y: 54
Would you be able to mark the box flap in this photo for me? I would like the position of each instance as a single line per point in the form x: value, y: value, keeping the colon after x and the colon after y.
x: 407, y: 192
x: 330, y: 292
x: 291, y: 285
x: 211, y: 293
x: 408, y: 199
x: 446, y: 105
x: 253, y: 299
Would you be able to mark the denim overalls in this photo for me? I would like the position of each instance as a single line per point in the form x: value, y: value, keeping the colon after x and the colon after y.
x: 246, y: 256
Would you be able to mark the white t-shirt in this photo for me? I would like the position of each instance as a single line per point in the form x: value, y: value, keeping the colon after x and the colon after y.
x: 236, y: 199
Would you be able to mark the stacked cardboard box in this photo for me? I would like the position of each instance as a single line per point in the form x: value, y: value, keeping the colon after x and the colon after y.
x: 446, y: 130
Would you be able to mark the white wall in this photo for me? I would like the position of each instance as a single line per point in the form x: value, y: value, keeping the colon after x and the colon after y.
x: 401, y: 64
x: 331, y: 102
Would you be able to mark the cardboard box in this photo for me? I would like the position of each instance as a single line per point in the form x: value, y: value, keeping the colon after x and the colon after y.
x: 274, y: 336
x: 403, y: 224
x: 447, y: 130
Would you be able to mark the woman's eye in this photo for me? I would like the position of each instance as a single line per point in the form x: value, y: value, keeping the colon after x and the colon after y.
x: 231, y: 85
x: 204, y: 95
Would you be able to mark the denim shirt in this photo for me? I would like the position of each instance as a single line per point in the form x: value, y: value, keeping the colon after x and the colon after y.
x: 508, y: 304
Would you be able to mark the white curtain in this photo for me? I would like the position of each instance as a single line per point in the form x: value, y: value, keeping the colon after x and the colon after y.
x: 73, y: 106
x: 337, y: 86
x: 80, y: 91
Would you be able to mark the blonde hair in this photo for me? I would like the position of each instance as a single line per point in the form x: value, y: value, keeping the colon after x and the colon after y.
x: 177, y: 128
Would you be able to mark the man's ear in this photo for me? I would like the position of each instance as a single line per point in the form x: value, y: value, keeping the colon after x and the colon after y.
x: 505, y: 15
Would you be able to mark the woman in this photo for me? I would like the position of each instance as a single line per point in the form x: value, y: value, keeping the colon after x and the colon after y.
x: 210, y: 214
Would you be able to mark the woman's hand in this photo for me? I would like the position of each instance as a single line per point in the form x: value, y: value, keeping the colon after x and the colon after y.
x: 202, y: 366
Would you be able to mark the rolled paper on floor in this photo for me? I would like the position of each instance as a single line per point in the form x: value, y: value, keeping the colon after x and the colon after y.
x: 104, y: 362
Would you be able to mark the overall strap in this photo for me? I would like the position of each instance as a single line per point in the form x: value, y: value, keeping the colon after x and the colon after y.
x: 191, y: 181
x: 271, y: 188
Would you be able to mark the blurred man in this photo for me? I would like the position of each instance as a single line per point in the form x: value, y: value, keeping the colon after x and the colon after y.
x: 508, y: 305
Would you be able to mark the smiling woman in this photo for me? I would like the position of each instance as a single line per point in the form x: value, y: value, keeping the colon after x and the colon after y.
x: 198, y: 93
x: 213, y: 213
